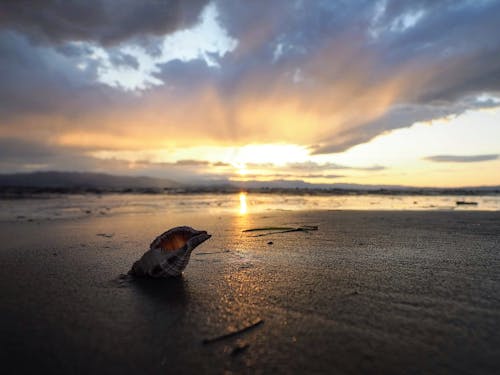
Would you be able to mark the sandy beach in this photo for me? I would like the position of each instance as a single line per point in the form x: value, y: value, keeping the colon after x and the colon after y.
x: 368, y: 292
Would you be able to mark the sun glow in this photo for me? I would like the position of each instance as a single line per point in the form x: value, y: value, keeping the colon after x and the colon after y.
x: 277, y: 154
x: 243, y: 203
x: 401, y: 154
x: 241, y: 169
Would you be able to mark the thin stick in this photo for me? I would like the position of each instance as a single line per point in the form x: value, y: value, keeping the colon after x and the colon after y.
x: 305, y: 228
x: 235, y: 333
x: 266, y: 228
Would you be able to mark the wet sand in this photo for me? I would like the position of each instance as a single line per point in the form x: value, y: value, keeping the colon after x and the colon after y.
x: 369, y: 292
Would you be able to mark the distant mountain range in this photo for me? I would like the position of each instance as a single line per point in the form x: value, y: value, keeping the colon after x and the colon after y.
x: 299, y: 184
x: 302, y: 185
x: 85, y: 181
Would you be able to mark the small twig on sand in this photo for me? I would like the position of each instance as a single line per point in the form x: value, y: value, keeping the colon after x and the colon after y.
x: 276, y: 230
x: 267, y: 228
x: 234, y: 333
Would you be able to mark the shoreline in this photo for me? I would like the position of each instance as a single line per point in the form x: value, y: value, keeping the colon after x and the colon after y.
x: 20, y: 192
x: 94, y: 205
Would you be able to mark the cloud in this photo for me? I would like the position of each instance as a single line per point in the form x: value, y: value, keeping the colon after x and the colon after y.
x: 461, y: 158
x: 286, y: 176
x: 365, y: 68
x: 105, y: 22
x: 21, y: 155
x: 221, y: 164
x: 206, y: 41
x: 313, y: 166
x: 189, y: 162
x: 12, y: 149
x: 399, y: 116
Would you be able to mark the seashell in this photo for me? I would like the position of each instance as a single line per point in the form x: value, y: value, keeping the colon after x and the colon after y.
x: 169, y: 253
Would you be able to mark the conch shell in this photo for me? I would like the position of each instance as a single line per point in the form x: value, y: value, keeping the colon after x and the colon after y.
x: 169, y: 253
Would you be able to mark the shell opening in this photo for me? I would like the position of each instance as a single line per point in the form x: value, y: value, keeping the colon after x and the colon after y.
x: 173, y: 240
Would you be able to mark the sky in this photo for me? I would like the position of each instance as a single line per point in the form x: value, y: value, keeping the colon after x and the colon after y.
x: 388, y: 92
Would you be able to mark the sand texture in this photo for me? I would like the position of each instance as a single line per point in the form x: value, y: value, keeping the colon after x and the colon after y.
x: 368, y: 292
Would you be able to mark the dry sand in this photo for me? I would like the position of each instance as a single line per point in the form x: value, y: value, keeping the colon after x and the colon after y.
x: 369, y: 292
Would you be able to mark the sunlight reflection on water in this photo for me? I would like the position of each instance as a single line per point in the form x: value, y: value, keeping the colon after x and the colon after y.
x: 242, y: 204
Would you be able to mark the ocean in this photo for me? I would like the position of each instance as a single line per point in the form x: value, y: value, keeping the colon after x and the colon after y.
x: 65, y: 206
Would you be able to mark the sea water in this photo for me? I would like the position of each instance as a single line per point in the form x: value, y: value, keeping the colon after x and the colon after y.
x: 64, y: 206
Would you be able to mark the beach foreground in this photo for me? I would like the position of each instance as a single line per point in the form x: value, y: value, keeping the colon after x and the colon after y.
x: 369, y: 291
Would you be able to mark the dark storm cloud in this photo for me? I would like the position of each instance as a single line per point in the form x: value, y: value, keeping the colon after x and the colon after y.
x: 461, y: 158
x: 102, y: 21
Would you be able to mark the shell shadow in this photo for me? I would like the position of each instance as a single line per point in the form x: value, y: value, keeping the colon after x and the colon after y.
x: 172, y: 291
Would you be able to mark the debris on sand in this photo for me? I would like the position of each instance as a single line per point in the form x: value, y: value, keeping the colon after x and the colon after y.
x: 276, y: 230
x: 105, y: 235
x: 237, y: 332
x: 460, y: 203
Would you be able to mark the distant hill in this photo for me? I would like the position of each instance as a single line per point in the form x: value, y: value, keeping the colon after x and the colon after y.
x: 82, y: 180
x: 299, y: 186
x: 86, y: 181
x: 286, y: 184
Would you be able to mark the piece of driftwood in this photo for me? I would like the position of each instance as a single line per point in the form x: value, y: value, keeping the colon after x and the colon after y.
x: 267, y: 228
x: 276, y: 230
x: 460, y: 203
x: 256, y: 323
